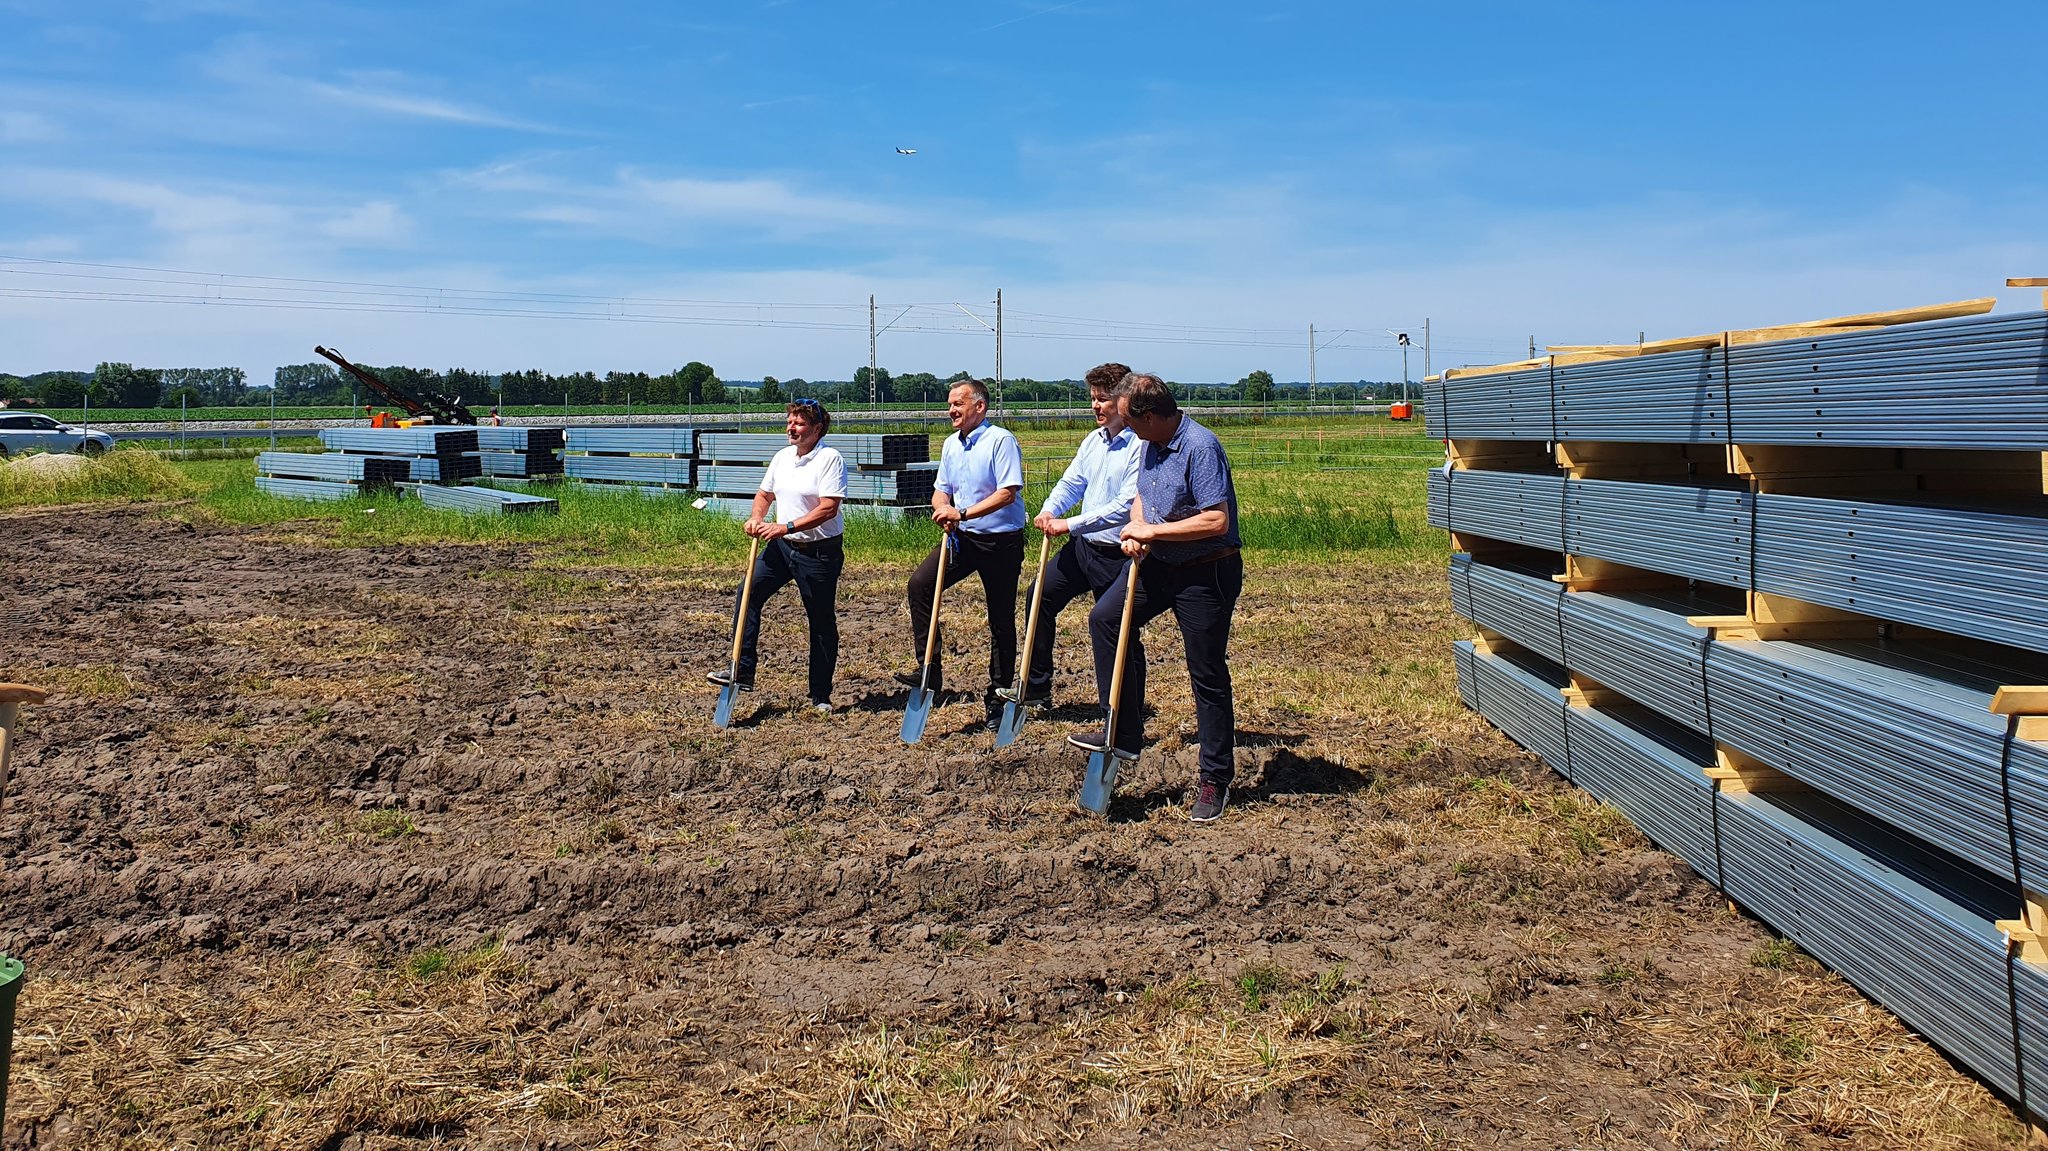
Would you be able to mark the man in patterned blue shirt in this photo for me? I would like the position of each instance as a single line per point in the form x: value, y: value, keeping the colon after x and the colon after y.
x: 1102, y: 479
x: 1184, y: 524
x: 975, y: 501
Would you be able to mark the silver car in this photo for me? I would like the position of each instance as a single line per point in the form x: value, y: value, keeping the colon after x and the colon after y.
x: 26, y: 431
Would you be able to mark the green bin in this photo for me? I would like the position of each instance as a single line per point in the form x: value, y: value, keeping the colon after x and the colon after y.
x: 10, y: 987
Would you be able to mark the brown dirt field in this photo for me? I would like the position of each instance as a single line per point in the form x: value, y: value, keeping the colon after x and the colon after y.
x: 437, y: 847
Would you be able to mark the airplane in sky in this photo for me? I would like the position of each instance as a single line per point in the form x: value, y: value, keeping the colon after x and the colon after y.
x: 906, y: 151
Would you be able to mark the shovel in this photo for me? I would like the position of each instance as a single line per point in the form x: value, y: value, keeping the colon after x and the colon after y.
x: 730, y: 693
x: 919, y: 707
x: 1012, y: 723
x: 1104, y: 762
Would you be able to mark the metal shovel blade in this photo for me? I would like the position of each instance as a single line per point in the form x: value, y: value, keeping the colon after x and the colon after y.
x: 1011, y: 724
x: 915, y: 712
x: 1100, y: 782
x: 721, y: 716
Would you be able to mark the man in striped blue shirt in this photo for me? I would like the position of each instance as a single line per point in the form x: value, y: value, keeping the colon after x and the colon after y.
x: 1102, y: 479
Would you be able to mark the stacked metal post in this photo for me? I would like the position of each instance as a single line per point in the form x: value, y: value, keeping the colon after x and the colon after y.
x: 646, y: 461
x: 520, y: 452
x: 434, y: 454
x: 1791, y: 670
x: 886, y: 474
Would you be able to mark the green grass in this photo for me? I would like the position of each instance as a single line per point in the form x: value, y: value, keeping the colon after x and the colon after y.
x: 1304, y: 489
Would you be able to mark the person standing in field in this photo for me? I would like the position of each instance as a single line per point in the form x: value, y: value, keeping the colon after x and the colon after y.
x: 975, y: 504
x: 806, y: 482
x: 1184, y: 525
x: 1102, y: 478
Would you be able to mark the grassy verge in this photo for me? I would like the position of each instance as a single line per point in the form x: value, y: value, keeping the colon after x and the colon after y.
x: 39, y: 481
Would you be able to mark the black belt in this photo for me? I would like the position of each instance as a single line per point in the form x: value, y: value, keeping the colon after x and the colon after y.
x: 1113, y: 549
x: 807, y: 545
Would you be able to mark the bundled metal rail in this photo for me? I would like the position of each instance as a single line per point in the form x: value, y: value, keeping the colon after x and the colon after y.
x: 1977, y: 383
x: 1908, y: 929
x: 1499, y: 406
x: 1826, y: 750
x: 1671, y: 398
x: 1913, y: 563
x: 1639, y: 644
x: 1652, y: 771
x: 428, y: 441
x: 1680, y: 529
x: 333, y: 467
x: 482, y: 501
x: 1520, y: 602
x: 306, y: 489
x: 1980, y: 383
x: 1519, y: 692
x: 1908, y: 739
x: 859, y: 450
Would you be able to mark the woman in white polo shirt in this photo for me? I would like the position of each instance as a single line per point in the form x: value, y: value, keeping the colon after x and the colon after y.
x: 806, y: 483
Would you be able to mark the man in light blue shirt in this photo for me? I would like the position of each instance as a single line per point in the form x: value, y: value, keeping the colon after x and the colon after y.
x: 975, y: 502
x: 1102, y: 479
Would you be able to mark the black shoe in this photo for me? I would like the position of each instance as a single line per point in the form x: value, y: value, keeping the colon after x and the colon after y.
x: 992, y: 709
x: 1210, y: 799
x: 724, y: 676
x: 914, y: 679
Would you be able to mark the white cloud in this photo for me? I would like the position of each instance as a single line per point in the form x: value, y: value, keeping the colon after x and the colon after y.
x: 372, y: 93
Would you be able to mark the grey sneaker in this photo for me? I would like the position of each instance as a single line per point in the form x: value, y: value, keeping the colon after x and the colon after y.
x: 822, y: 706
x: 723, y: 676
x: 1210, y: 800
x: 1038, y: 704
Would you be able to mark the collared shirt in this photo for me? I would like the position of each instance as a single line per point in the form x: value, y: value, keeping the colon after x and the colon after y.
x: 1104, y: 477
x: 1181, y: 478
x: 971, y: 469
x: 800, y: 483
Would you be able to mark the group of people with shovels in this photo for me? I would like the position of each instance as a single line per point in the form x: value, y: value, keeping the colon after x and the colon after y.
x: 1155, y: 530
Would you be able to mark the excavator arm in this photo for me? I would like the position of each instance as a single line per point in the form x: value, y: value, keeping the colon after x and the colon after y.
x: 417, y: 404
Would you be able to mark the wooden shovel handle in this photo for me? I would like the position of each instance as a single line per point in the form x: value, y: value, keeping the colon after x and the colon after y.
x: 1123, y: 646
x: 22, y: 693
x: 1031, y: 621
x: 739, y: 623
x: 931, y: 631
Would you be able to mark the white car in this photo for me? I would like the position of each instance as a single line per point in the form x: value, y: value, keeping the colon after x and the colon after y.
x: 26, y: 431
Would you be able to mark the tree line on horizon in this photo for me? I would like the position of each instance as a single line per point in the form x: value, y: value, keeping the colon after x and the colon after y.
x: 120, y: 385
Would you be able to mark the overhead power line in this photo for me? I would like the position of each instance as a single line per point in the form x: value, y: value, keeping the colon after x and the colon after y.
x: 24, y: 277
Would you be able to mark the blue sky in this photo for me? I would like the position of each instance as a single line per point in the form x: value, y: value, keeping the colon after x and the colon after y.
x: 1185, y: 187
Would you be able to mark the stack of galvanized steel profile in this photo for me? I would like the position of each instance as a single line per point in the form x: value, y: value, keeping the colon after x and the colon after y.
x: 886, y: 473
x: 431, y: 454
x: 1781, y: 597
x: 520, y: 453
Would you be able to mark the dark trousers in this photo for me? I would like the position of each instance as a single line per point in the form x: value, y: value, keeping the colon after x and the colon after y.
x: 814, y: 568
x: 1078, y: 567
x: 998, y: 558
x: 1202, y: 597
